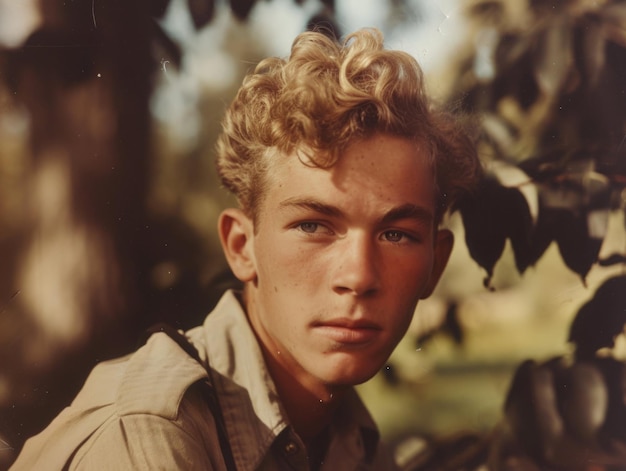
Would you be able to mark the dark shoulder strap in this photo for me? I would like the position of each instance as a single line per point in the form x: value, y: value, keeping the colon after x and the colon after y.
x: 176, y: 336
x: 208, y: 391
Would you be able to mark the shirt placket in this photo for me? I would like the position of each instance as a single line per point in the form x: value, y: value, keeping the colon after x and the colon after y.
x: 292, y: 451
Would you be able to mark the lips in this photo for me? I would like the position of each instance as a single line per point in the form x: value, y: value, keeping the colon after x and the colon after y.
x: 348, y: 331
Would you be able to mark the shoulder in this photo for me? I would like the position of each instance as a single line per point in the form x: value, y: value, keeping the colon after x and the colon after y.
x: 152, y: 380
x: 132, y: 394
x: 159, y: 418
x: 156, y: 378
x: 146, y: 441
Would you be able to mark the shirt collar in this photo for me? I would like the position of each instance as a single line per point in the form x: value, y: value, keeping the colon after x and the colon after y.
x: 251, y: 407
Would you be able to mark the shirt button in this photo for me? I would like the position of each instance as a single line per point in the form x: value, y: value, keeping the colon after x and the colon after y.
x: 291, y: 448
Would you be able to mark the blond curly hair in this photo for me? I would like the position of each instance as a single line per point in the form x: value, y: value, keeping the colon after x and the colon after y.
x: 322, y: 98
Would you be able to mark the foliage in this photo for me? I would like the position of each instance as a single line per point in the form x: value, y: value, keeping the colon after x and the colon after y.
x: 79, y: 219
x: 203, y: 11
x: 552, y: 104
x: 559, y: 414
x: 554, y: 108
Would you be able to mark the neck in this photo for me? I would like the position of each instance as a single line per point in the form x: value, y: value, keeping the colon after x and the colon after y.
x: 310, y: 405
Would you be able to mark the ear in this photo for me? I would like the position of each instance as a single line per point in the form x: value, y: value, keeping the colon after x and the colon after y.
x: 236, y: 232
x: 444, y: 241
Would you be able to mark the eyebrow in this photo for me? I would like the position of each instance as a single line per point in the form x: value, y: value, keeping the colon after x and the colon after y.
x: 406, y: 211
x: 312, y: 205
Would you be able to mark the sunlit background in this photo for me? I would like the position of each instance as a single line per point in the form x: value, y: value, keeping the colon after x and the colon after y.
x: 60, y: 306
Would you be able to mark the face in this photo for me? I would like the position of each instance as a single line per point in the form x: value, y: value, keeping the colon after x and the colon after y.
x: 340, y: 258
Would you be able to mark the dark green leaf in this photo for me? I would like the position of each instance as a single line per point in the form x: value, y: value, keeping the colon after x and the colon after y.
x: 323, y: 23
x: 543, y: 234
x: 531, y: 409
x: 578, y: 249
x: 158, y: 8
x: 614, y: 13
x: 574, y: 214
x: 201, y: 12
x: 589, y: 39
x: 492, y: 215
x: 614, y: 373
x: 520, y: 226
x: 553, y: 55
x: 516, y: 73
x: 485, y: 235
x: 601, y: 319
x: 242, y: 8
x: 583, y: 401
x: 451, y: 324
x: 613, y: 259
x: 488, y: 10
x: 548, y: 7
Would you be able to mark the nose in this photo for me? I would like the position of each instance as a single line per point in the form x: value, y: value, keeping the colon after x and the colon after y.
x: 357, y: 270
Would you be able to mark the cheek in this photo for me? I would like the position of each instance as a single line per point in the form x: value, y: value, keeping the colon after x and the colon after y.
x: 411, y: 272
x: 296, y: 263
x: 283, y: 264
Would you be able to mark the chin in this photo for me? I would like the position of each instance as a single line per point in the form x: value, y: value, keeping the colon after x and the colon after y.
x: 351, y: 380
x: 351, y: 375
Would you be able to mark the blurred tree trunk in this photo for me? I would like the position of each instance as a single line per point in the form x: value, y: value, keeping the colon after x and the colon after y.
x: 85, y: 79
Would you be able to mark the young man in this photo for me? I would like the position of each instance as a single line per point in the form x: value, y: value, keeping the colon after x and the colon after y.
x: 342, y: 172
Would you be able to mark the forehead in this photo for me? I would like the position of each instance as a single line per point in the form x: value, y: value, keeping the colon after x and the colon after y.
x: 379, y: 171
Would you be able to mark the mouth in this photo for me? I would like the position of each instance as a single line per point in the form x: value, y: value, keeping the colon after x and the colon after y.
x: 347, y: 331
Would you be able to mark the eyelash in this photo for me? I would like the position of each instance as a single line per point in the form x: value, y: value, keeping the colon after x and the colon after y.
x: 405, y: 237
x: 300, y: 227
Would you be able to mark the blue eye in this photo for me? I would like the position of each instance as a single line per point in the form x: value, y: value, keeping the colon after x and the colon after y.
x: 399, y: 237
x: 308, y: 227
x: 394, y: 236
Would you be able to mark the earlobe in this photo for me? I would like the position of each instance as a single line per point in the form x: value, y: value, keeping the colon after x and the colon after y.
x: 236, y: 232
x: 443, y: 248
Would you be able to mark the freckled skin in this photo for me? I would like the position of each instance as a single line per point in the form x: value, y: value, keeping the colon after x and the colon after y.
x: 334, y: 265
x: 345, y: 269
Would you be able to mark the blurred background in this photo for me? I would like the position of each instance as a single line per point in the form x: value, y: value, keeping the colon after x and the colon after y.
x: 108, y: 195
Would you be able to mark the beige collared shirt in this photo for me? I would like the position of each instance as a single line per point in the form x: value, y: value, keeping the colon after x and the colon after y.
x: 141, y: 412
